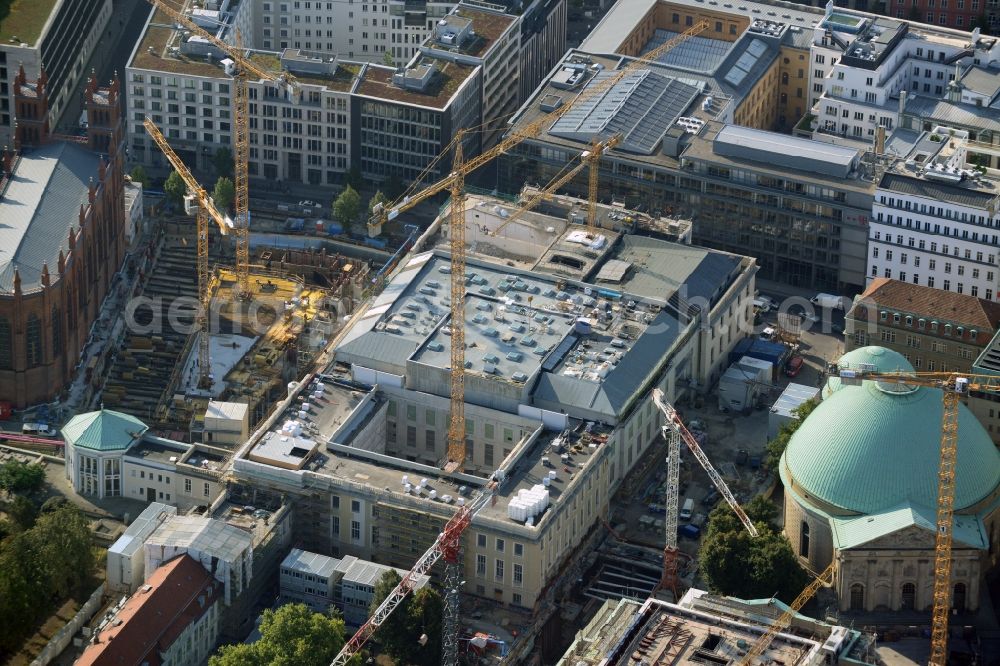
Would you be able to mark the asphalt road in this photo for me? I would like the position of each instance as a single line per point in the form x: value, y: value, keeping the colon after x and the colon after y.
x: 111, y: 55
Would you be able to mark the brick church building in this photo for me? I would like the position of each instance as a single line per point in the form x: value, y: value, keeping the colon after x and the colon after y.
x: 62, y: 224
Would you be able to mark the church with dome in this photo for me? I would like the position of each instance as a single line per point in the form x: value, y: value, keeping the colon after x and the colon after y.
x: 860, y: 488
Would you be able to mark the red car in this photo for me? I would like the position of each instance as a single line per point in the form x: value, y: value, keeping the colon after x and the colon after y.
x: 794, y: 366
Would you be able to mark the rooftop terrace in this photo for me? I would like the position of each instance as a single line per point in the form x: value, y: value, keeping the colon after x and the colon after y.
x: 445, y: 82
x: 469, y: 30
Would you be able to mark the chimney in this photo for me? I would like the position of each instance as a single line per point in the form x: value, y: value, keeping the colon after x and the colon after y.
x: 902, y: 104
x: 879, y: 141
x: 45, y: 274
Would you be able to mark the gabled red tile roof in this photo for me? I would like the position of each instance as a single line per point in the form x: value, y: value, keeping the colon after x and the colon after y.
x: 931, y: 303
x: 177, y: 594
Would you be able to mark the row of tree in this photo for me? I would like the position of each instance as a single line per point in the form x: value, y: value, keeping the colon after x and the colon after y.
x: 42, y: 562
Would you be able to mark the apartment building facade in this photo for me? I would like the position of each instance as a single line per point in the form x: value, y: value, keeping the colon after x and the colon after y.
x: 863, y: 68
x: 347, y: 584
x: 388, y: 122
x: 935, y: 222
x: 935, y: 331
x: 59, y: 41
x: 382, y: 31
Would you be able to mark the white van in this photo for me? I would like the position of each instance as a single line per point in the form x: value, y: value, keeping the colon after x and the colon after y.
x: 37, y: 429
x: 687, y: 509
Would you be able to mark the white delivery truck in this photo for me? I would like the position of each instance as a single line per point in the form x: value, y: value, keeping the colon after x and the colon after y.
x: 830, y: 301
x: 687, y: 509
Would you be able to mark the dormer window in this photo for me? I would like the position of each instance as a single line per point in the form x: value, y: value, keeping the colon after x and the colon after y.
x: 947, y: 329
x: 895, y: 317
x: 909, y: 321
x: 921, y: 323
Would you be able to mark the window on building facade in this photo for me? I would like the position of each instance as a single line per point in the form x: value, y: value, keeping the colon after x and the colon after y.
x: 88, y: 470
x: 6, y: 345
x: 33, y: 341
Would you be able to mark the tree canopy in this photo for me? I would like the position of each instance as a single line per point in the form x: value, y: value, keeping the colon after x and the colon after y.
x: 41, y: 566
x: 292, y: 635
x: 224, y: 193
x: 777, y: 446
x: 377, y: 198
x: 347, y: 206
x: 174, y: 188
x: 737, y: 564
x: 418, y: 615
x: 140, y: 176
x: 17, y: 476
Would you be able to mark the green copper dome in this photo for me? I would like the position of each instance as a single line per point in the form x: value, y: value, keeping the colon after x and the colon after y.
x: 865, y: 449
x: 882, y: 359
x: 103, y: 430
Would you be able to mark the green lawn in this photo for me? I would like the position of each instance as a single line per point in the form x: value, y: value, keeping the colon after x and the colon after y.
x: 23, y: 19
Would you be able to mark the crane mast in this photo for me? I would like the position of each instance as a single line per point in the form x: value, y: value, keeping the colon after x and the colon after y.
x: 383, y: 214
x: 456, y: 419
x: 206, y: 209
x: 446, y: 545
x: 674, y: 421
x: 244, y: 68
x: 669, y: 579
x: 241, y: 172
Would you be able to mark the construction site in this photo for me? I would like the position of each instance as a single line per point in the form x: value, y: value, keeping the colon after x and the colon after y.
x: 256, y: 345
x: 499, y: 397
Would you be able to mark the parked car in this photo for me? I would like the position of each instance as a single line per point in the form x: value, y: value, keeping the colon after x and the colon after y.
x: 768, y: 301
x: 755, y: 462
x: 689, y: 531
x: 794, y: 366
x: 831, y: 301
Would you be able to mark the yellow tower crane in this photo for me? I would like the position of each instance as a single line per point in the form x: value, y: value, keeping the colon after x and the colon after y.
x: 783, y: 622
x: 953, y: 386
x: 587, y: 158
x: 244, y: 67
x: 382, y: 213
x: 455, y: 182
x: 456, y: 420
x: 206, y: 209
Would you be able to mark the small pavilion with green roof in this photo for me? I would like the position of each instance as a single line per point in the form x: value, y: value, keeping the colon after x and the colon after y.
x: 860, y: 487
x: 96, y: 443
